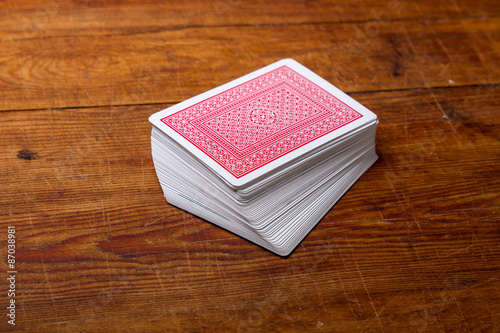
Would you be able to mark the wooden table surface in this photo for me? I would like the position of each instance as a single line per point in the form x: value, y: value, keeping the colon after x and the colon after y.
x: 413, y: 246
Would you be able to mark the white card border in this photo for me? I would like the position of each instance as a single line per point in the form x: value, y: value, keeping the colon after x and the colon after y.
x: 367, y: 117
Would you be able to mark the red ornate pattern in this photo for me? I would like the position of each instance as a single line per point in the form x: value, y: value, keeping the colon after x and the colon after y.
x: 250, y: 125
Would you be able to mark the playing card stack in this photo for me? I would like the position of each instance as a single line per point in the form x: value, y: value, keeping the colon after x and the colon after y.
x: 265, y: 156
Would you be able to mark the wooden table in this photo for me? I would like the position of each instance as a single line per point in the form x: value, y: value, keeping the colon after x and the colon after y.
x: 413, y: 246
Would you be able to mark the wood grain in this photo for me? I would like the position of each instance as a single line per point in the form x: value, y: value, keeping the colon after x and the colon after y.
x: 97, y: 233
x: 413, y: 246
x: 27, y: 19
x: 168, y: 67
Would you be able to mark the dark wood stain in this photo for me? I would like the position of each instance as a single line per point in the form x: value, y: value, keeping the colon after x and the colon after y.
x: 26, y: 154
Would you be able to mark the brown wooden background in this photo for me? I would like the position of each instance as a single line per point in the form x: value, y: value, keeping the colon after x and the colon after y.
x: 414, y: 245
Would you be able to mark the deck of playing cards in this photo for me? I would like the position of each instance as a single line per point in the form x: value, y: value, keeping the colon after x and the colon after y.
x: 264, y: 156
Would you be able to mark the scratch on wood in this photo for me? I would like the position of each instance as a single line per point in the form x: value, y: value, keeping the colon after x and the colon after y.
x: 378, y: 207
x: 444, y: 114
x: 158, y: 276
x: 461, y: 313
x: 369, y: 297
x: 218, y: 269
x: 346, y: 295
x: 149, y: 223
x: 48, y: 283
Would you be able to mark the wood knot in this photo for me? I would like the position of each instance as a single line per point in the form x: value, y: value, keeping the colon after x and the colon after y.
x: 26, y: 154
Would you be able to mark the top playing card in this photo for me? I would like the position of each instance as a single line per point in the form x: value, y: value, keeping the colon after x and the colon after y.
x: 273, y: 113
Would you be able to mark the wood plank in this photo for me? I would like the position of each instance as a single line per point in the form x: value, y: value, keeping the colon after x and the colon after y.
x: 168, y: 67
x: 399, y: 252
x: 28, y: 19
